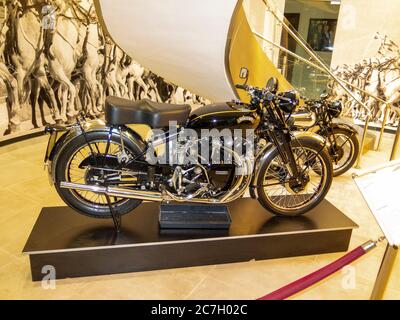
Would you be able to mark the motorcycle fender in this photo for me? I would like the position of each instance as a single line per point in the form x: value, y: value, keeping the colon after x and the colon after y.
x: 88, y: 126
x: 260, y: 158
x: 265, y: 153
x: 345, y: 126
x: 310, y: 135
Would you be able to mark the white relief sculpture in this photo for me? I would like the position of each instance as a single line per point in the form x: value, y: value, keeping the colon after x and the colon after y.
x: 378, y: 76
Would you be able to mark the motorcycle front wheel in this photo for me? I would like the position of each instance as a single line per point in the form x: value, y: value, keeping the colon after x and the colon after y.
x: 69, y: 167
x: 277, y: 190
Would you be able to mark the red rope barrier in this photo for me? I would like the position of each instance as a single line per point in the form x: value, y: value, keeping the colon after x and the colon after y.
x: 320, y: 274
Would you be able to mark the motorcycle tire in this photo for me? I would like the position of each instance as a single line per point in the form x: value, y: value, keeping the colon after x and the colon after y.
x: 72, y: 197
x: 270, y: 163
x: 354, y: 151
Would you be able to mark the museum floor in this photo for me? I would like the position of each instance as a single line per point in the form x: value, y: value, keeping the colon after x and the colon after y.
x: 24, y: 190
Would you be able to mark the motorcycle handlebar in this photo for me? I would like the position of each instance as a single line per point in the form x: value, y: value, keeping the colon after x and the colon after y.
x: 268, y: 95
x: 242, y: 86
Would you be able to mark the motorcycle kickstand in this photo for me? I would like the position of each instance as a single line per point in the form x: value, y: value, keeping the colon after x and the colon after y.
x: 115, y: 216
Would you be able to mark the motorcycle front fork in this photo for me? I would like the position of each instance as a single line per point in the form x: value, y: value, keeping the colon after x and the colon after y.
x: 286, y: 153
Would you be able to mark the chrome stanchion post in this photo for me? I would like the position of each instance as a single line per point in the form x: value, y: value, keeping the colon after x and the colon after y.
x: 395, y: 142
x: 384, y: 273
x: 387, y: 110
x: 364, y: 137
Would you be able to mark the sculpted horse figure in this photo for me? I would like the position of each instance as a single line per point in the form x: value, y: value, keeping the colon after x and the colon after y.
x: 129, y: 74
x: 390, y: 85
x: 166, y: 89
x: 64, y: 52
x: 151, y: 82
x: 11, y: 84
x: 135, y: 73
x: 364, y: 72
x: 337, y: 91
x: 353, y: 75
x: 378, y: 77
x: 387, y: 46
x: 372, y: 86
x: 24, y: 50
x: 388, y: 52
x: 113, y: 57
x: 121, y: 73
x: 89, y: 65
x: 358, y: 76
x: 182, y: 96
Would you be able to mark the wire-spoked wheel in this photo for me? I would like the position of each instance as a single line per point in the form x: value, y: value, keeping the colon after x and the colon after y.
x: 344, y: 151
x: 77, y: 164
x: 283, y: 194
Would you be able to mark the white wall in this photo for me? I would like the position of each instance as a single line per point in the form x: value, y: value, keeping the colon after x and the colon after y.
x: 359, y: 20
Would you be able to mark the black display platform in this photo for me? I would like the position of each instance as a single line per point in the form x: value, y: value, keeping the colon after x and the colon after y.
x: 81, y: 246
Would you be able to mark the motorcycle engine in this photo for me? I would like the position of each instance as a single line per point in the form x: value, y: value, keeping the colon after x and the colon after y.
x: 190, y: 181
x: 193, y: 177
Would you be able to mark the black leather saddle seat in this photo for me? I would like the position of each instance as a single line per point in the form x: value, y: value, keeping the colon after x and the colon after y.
x: 120, y: 111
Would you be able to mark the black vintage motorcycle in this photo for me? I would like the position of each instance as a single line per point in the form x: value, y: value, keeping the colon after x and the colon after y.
x: 102, y: 168
x: 318, y: 116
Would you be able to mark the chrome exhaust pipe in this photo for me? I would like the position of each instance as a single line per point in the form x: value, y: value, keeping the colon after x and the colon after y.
x: 115, y: 191
x: 152, y: 195
x: 134, y: 194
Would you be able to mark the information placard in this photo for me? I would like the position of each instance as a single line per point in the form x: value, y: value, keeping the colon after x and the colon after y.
x: 380, y: 189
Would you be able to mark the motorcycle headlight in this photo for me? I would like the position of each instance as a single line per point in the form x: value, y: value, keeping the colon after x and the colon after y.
x: 335, y: 109
x: 288, y: 101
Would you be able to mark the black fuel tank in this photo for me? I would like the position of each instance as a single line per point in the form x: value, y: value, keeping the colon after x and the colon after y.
x: 226, y: 115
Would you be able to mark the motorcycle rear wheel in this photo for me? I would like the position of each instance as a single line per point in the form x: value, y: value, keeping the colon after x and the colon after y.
x: 67, y: 169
